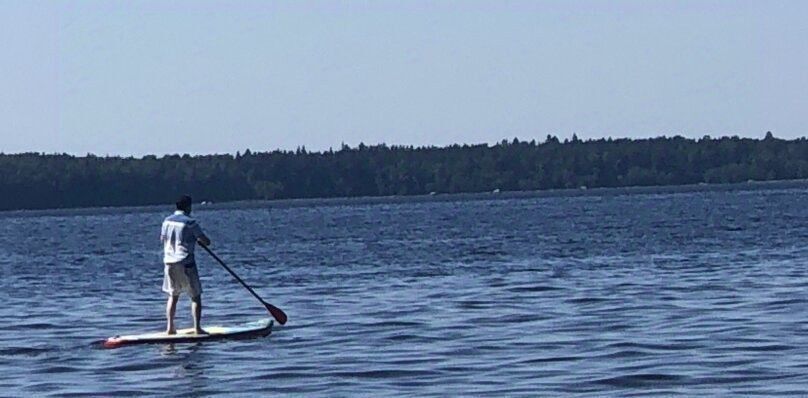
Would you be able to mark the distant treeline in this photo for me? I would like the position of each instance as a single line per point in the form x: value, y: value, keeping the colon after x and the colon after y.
x: 36, y: 181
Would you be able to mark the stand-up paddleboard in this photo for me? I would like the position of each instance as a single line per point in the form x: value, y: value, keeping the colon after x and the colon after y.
x: 247, y: 330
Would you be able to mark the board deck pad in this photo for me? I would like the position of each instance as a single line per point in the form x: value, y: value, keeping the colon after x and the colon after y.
x: 258, y: 328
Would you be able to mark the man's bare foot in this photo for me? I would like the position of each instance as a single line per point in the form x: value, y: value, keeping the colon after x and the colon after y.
x: 200, y: 331
x: 171, y: 331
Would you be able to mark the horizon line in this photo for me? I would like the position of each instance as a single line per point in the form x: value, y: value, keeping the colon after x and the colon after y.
x: 571, y: 139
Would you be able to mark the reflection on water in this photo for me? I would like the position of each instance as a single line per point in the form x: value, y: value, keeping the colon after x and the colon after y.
x: 617, y: 295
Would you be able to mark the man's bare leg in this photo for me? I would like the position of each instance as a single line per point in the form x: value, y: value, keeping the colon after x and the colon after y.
x: 196, y: 308
x: 171, y: 309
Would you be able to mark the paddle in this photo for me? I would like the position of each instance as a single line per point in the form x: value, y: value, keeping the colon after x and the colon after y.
x: 275, y: 311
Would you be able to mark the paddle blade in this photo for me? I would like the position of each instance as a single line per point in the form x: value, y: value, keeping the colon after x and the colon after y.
x: 276, y: 312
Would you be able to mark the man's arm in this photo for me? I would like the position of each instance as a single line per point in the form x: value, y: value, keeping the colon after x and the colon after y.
x: 199, y: 235
x: 204, y: 240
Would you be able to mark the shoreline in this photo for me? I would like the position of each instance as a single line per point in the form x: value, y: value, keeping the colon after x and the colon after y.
x: 423, y: 198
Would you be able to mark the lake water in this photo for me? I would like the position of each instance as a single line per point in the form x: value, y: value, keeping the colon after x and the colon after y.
x: 601, y: 294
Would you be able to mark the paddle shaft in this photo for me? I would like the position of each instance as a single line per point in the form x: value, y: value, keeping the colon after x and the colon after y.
x: 275, y: 311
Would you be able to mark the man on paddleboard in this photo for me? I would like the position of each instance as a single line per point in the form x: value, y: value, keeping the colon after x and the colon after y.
x: 179, y: 236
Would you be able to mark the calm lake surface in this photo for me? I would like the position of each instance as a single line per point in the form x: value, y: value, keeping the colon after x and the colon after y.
x: 601, y: 294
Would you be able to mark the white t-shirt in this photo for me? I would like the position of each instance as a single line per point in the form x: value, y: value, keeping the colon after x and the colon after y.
x: 179, y: 236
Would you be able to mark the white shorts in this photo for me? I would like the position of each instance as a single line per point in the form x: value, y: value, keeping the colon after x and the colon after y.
x: 180, y: 278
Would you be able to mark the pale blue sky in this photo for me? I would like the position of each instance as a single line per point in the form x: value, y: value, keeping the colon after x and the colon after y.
x: 121, y: 77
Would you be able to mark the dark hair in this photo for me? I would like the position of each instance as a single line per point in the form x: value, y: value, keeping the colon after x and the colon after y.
x: 184, y: 202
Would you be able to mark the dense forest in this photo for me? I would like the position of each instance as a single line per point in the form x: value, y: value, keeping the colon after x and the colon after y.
x: 36, y: 181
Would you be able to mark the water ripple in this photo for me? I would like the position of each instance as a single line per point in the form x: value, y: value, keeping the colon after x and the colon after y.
x: 656, y: 294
